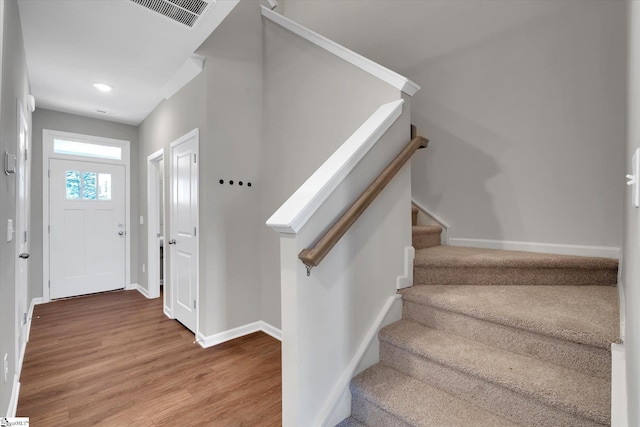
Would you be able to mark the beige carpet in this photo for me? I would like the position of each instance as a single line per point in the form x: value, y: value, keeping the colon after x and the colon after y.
x: 494, y: 338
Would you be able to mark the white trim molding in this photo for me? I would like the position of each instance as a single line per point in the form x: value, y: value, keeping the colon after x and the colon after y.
x: 618, y: 386
x: 142, y: 290
x: 442, y: 223
x: 302, y: 204
x: 406, y: 279
x: 342, y: 385
x: 13, y: 402
x: 548, y: 248
x: 34, y: 302
x: 240, y: 331
x: 391, y: 77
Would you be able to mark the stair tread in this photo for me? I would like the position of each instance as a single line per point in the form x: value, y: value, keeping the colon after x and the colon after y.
x: 418, y: 403
x: 581, y: 314
x: 350, y: 422
x: 553, y: 385
x: 466, y: 257
x: 426, y: 229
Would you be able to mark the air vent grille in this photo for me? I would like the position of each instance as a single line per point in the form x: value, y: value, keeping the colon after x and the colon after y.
x: 187, y: 12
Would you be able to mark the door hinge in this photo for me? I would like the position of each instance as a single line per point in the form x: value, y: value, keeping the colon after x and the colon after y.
x: 24, y: 318
x: 49, y: 284
x: 49, y: 229
x: 194, y: 157
x: 26, y: 156
x: 194, y: 304
x: 195, y: 232
x: 25, y: 236
x: 49, y: 173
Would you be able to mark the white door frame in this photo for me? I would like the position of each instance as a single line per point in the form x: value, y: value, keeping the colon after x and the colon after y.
x: 193, y: 134
x: 47, y: 153
x: 22, y: 221
x: 153, y: 224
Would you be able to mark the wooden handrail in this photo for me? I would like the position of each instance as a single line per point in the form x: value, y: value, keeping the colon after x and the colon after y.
x: 312, y: 257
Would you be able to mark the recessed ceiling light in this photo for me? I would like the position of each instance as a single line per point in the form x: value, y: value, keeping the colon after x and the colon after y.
x: 103, y: 87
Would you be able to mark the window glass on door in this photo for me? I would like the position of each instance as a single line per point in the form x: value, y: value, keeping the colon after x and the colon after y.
x: 83, y: 185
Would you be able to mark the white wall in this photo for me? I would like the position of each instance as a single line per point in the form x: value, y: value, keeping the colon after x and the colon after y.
x: 14, y: 86
x: 524, y: 104
x: 54, y: 120
x: 631, y: 252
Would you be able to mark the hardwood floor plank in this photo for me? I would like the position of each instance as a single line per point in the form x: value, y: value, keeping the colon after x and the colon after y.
x: 114, y: 359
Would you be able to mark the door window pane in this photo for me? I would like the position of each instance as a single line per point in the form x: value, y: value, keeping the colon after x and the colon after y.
x: 89, y: 185
x: 104, y: 186
x: 73, y: 185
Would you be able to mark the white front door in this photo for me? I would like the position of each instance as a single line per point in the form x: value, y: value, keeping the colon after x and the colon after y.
x: 22, y: 231
x: 87, y: 220
x: 183, y: 226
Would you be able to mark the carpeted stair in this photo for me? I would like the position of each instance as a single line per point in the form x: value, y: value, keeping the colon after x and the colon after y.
x: 494, y: 338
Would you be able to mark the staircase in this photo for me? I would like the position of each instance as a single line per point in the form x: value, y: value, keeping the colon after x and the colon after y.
x: 494, y: 338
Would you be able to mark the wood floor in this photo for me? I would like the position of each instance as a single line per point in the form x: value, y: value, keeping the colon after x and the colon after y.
x: 115, y: 359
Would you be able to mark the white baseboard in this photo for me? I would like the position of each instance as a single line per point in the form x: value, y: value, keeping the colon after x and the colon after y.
x: 131, y: 286
x: 240, y: 331
x: 550, y: 248
x: 338, y: 392
x: 445, y: 226
x: 406, y: 279
x: 34, y: 302
x: 618, y: 386
x: 142, y: 290
x: 271, y: 330
x: 167, y: 312
x: 13, y: 402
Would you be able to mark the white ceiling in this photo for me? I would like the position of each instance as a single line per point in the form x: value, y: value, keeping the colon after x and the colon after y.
x: 71, y: 44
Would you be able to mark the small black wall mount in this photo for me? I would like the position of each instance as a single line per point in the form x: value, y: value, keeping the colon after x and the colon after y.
x: 232, y: 182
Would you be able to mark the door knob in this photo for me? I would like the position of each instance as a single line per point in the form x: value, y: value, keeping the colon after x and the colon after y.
x: 120, y: 233
x: 24, y: 255
x: 172, y: 241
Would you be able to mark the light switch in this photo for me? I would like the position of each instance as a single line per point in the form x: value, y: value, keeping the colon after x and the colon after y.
x: 10, y: 230
x: 634, y: 178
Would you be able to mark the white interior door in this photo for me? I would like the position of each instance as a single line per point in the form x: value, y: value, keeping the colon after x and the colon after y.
x: 22, y: 231
x: 87, y: 234
x: 183, y: 223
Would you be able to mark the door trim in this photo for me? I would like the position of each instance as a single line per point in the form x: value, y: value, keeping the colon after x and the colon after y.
x: 22, y: 215
x: 153, y: 223
x: 47, y: 154
x: 169, y: 178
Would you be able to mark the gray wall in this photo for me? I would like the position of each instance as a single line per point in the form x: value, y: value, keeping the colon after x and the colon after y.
x: 631, y: 251
x: 15, y: 86
x: 225, y: 103
x: 54, y: 120
x: 313, y: 102
x: 524, y: 104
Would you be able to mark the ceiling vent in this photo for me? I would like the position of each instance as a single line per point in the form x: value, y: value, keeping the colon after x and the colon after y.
x: 187, y: 12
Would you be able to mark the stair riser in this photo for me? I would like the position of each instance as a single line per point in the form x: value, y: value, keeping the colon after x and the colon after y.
x: 491, y: 397
x: 582, y: 358
x: 371, y: 415
x: 420, y: 241
x: 429, y: 275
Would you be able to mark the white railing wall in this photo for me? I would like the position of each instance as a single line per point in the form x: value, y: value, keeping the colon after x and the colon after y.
x: 333, y: 120
x: 327, y: 316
